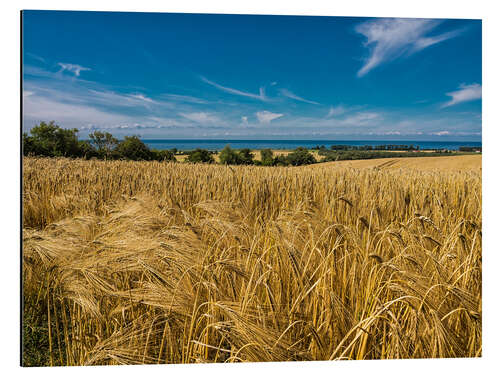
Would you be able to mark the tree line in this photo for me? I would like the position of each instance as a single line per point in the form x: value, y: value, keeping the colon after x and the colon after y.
x: 50, y: 140
x: 369, y: 148
x: 470, y: 149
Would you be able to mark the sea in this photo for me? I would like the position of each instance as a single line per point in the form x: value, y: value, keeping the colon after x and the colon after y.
x: 219, y: 144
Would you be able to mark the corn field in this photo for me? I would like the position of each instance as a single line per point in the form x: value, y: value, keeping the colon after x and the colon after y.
x: 146, y: 262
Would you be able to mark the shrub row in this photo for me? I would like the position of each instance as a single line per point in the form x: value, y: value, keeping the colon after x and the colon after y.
x: 48, y: 139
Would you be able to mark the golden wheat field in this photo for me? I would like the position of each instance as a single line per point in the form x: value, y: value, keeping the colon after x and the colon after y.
x: 453, y: 163
x: 147, y: 262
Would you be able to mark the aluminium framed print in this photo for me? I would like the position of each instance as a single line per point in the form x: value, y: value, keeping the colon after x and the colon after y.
x: 219, y: 188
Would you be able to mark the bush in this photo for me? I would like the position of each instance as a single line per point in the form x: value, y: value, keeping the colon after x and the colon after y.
x: 163, y: 155
x: 301, y: 156
x: 229, y: 156
x: 200, y: 156
x: 281, y: 160
x: 245, y: 156
x: 133, y: 148
x: 266, y: 157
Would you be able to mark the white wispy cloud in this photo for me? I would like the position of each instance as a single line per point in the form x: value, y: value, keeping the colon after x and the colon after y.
x: 440, y: 133
x: 336, y: 111
x: 31, y: 70
x: 184, y: 98
x: 69, y: 88
x: 73, y: 68
x: 389, y: 39
x: 41, y: 108
x: 87, y: 117
x: 465, y: 93
x: 361, y: 118
x: 104, y: 97
x: 71, y: 104
x: 265, y: 117
x: 36, y: 57
x: 201, y: 117
x: 142, y: 97
x: 261, y: 96
x: 291, y: 95
x: 87, y: 105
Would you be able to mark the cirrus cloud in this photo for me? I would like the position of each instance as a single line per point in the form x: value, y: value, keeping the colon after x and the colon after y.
x: 265, y: 117
x: 336, y: 111
x: 291, y: 95
x: 73, y: 68
x: 262, y: 94
x: 200, y: 117
x: 465, y: 93
x: 392, y: 38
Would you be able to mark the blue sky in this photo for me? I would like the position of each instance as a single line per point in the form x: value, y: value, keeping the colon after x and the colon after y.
x: 183, y: 76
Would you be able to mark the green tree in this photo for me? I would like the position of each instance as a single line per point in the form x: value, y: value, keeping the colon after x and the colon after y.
x: 29, y: 147
x: 245, y: 156
x: 301, y: 156
x: 229, y: 156
x: 52, y: 140
x: 105, y: 143
x: 163, y: 155
x: 200, y: 156
x: 266, y: 156
x: 281, y: 160
x: 86, y: 150
x: 133, y: 148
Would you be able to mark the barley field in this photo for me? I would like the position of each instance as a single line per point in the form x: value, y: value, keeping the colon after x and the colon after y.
x: 146, y: 262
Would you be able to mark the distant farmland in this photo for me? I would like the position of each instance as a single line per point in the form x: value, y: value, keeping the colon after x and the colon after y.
x: 438, y: 163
